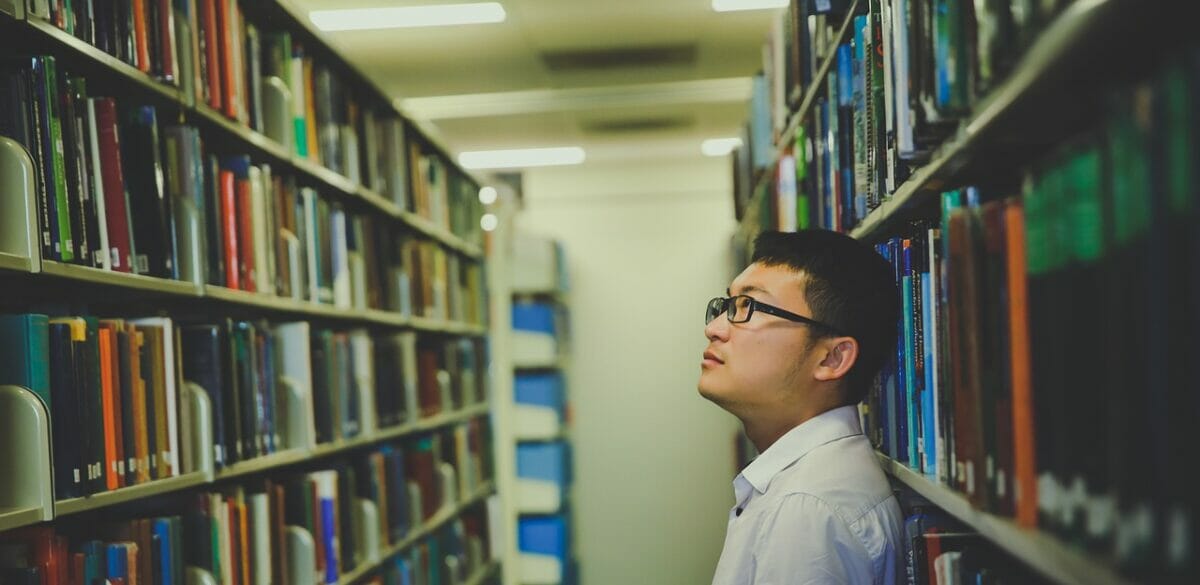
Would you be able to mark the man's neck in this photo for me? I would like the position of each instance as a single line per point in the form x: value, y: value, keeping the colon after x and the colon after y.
x: 763, y: 432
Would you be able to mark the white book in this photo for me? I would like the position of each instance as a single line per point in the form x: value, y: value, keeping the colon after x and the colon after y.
x: 107, y: 254
x: 294, y: 357
x: 358, y: 280
x: 267, y: 269
x: 258, y: 510
x: 903, y: 112
x: 295, y: 263
x: 258, y: 227
x: 362, y: 349
x: 408, y: 361
x: 786, y: 189
x: 309, y: 199
x: 342, y: 298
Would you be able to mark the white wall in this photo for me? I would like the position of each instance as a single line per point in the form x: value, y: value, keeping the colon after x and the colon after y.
x: 647, y: 246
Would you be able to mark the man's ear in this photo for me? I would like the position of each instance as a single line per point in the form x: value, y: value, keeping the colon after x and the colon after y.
x: 841, y: 353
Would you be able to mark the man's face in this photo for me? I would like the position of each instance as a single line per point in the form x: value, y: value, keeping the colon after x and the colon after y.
x: 764, y: 362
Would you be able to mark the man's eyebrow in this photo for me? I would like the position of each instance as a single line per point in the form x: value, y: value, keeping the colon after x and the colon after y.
x: 749, y: 288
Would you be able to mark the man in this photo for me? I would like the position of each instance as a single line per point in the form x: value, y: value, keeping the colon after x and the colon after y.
x: 791, y: 353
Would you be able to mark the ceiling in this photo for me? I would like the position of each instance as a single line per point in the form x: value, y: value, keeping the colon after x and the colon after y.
x: 621, y: 78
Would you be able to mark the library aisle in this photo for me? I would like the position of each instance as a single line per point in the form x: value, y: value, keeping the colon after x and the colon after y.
x: 408, y: 292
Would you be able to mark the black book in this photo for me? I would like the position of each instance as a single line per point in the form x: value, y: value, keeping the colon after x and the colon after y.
x: 88, y: 362
x: 64, y: 412
x: 249, y: 396
x: 203, y: 355
x: 322, y: 388
x: 237, y: 433
x: 148, y: 204
x: 212, y: 212
x: 72, y: 99
x: 146, y: 365
x: 128, y: 420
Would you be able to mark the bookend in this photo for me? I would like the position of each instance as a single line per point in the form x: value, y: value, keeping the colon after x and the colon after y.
x: 26, y: 497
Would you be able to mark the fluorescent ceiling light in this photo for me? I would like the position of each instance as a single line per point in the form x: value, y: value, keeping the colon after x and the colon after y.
x: 719, y: 146
x: 732, y: 5
x: 407, y: 16
x: 520, y: 158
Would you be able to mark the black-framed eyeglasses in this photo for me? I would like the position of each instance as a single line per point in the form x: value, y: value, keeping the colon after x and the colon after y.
x: 740, y: 308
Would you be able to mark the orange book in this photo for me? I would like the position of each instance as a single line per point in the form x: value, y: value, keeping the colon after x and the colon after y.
x: 131, y: 561
x: 141, y: 40
x: 141, y: 439
x: 310, y: 112
x: 1024, y: 453
x: 112, y: 479
x: 244, y: 538
x: 245, y: 234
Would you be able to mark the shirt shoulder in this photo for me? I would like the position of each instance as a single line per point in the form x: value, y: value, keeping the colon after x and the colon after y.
x: 843, y: 474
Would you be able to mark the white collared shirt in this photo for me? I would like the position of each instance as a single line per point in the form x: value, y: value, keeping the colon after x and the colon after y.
x: 815, y: 507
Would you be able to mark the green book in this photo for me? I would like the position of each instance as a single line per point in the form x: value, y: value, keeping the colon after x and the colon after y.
x: 62, y: 219
x: 25, y: 353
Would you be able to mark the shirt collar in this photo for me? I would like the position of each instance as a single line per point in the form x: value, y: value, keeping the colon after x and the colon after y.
x: 826, y: 427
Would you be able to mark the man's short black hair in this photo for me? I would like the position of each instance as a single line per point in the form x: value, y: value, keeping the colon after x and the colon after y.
x: 848, y: 285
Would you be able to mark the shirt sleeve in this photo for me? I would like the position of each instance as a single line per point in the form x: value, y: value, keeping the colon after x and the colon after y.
x: 807, y: 543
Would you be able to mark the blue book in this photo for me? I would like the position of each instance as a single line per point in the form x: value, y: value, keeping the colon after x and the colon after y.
x: 95, y: 561
x: 163, y: 539
x: 908, y: 332
x: 117, y: 561
x: 887, y: 380
x: 900, y: 388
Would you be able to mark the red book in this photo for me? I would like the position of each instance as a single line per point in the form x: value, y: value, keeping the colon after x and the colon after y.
x: 116, y: 216
x: 208, y: 21
x: 225, y: 22
x: 229, y: 228
x: 246, y: 234
x: 429, y: 394
x: 166, y: 41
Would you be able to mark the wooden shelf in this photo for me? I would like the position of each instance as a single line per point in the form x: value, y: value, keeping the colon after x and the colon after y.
x: 91, y: 57
x: 1047, y: 555
x: 127, y: 494
x: 441, y: 234
x: 123, y: 280
x: 427, y: 529
x: 482, y: 574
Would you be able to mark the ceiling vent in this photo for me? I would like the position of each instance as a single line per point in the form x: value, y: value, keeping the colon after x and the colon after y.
x: 643, y: 124
x: 620, y: 58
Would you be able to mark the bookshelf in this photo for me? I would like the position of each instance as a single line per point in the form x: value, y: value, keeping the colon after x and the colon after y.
x: 396, y: 238
x: 1079, y: 85
x: 1048, y: 555
x: 416, y: 535
x: 541, y: 412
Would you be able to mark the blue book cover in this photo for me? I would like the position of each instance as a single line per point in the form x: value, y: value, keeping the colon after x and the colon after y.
x: 329, y: 535
x: 95, y: 561
x: 861, y: 114
x: 886, y: 379
x: 900, y: 394
x: 906, y: 350
x: 117, y: 561
x: 163, y: 543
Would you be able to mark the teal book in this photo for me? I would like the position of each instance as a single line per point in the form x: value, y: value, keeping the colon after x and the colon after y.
x: 25, y: 353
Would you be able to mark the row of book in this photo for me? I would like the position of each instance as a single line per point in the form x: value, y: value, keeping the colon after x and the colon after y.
x: 117, y: 190
x: 113, y: 389
x: 312, y: 527
x: 268, y: 81
x: 937, y: 551
x: 908, y: 72
x: 1045, y: 339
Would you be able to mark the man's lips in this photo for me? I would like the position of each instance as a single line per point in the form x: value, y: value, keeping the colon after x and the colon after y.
x: 710, y: 356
